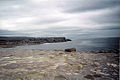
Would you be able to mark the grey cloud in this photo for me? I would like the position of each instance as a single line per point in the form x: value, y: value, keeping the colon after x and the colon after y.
x: 117, y: 27
x: 7, y: 32
x: 106, y: 31
x: 111, y: 17
x: 47, y: 21
x: 7, y: 10
x: 74, y: 33
x: 46, y: 15
x: 96, y: 34
x: 88, y: 5
x: 12, y: 33
x: 28, y: 10
x: 4, y: 31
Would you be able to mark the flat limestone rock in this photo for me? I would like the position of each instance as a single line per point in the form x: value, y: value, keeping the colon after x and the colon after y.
x: 57, y: 65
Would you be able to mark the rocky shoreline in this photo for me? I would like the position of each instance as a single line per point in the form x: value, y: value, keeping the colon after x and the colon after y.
x: 58, y: 65
x: 7, y: 42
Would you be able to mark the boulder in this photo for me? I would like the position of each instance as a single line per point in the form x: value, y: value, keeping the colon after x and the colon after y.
x: 68, y: 40
x: 70, y: 50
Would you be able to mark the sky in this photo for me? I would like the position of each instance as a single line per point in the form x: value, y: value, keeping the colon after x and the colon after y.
x: 69, y: 18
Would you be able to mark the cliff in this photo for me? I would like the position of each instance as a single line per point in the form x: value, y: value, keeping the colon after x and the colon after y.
x: 30, y: 40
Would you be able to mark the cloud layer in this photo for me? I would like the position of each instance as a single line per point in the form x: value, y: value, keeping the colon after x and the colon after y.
x: 60, y: 17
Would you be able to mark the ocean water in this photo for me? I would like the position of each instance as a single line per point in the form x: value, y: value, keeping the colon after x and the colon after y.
x: 94, y: 44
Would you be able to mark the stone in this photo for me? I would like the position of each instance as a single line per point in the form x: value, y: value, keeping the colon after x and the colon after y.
x: 90, y: 77
x: 60, y: 77
x: 96, y: 64
x: 68, y: 40
x: 61, y: 53
x: 70, y: 50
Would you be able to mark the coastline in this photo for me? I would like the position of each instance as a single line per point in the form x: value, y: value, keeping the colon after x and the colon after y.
x: 8, y: 42
x: 19, y: 64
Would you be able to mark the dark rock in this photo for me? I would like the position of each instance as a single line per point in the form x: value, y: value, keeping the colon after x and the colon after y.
x: 93, y: 76
x: 90, y: 77
x: 70, y: 50
x: 68, y: 40
x: 60, y: 77
x: 97, y: 75
x: 61, y: 53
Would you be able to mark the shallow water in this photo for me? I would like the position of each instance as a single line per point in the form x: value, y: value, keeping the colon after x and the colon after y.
x: 80, y: 44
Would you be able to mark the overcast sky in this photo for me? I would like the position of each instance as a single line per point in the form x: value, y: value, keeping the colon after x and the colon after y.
x: 69, y: 18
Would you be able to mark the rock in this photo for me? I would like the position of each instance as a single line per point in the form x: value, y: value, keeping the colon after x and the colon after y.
x: 68, y: 40
x: 61, y: 53
x: 114, y: 65
x: 111, y: 64
x: 8, y: 42
x: 70, y: 50
x: 93, y: 76
x: 80, y: 67
x: 97, y: 75
x: 96, y: 64
x: 60, y: 77
x: 108, y: 64
x: 90, y: 77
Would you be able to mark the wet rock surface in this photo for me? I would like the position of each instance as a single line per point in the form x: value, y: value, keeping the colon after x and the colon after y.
x: 58, y: 65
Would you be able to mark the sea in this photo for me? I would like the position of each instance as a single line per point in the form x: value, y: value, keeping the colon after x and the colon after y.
x: 91, y: 44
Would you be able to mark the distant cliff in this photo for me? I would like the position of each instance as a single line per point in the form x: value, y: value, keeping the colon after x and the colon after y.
x: 30, y: 40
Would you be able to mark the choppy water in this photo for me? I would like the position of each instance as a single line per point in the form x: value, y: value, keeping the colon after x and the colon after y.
x: 79, y: 44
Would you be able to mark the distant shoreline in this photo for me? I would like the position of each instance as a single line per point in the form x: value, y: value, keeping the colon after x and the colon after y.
x: 7, y: 42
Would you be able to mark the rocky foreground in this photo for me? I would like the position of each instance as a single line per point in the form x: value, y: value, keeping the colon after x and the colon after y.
x: 58, y: 65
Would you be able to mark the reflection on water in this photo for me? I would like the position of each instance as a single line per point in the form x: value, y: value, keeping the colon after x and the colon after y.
x: 79, y: 44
